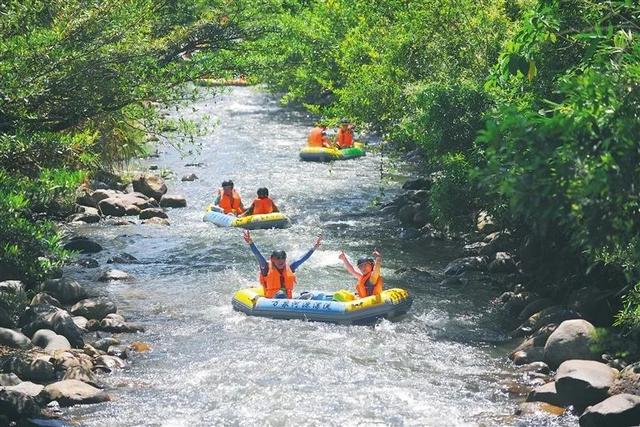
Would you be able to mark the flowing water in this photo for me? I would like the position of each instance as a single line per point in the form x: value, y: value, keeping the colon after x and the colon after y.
x: 213, y: 366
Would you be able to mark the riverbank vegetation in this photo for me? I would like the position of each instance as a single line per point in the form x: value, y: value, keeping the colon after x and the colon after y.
x: 527, y: 109
x: 80, y: 88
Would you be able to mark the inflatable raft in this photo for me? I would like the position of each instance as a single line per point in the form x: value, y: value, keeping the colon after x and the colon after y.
x: 250, y: 222
x: 322, y: 307
x: 322, y: 154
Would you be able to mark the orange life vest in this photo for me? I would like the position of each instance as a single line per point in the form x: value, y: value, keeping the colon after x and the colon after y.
x: 275, y: 280
x: 344, y: 139
x: 316, y: 137
x: 230, y: 204
x: 372, y: 288
x: 262, y: 206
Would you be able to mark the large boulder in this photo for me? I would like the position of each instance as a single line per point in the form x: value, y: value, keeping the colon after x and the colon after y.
x: 88, y: 214
x: 83, y: 374
x: 50, y: 341
x: 535, y: 306
x: 546, y: 393
x: 138, y: 200
x: 584, y: 382
x: 572, y: 339
x: 16, y: 405
x: 555, y: 314
x: 173, y: 201
x: 526, y: 356
x: 9, y: 380
x: 83, y: 245
x: 620, y: 410
x: 84, y: 198
x: 13, y: 339
x: 65, y: 290
x: 93, y: 308
x: 74, y: 392
x: 55, y: 319
x: 102, y: 194
x: 153, y: 213
x: 407, y: 212
x: 150, y: 185
x: 36, y: 370
x: 113, y: 206
x: 27, y: 387
x: 460, y: 265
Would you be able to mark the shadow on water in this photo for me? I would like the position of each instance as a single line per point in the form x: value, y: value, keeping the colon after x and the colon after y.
x: 436, y: 366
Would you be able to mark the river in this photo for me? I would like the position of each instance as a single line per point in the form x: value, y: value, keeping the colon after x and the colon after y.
x: 213, y: 366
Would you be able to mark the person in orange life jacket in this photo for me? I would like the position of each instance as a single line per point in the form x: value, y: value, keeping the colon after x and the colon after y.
x: 370, y: 282
x: 318, y: 137
x: 276, y: 277
x: 262, y: 204
x: 228, y: 199
x: 344, y: 137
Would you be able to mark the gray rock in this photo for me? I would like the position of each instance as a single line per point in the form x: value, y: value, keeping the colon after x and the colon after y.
x: 537, y: 408
x: 546, y: 393
x: 555, y: 314
x: 9, y: 380
x: 80, y: 321
x: 571, y: 340
x: 114, y: 275
x: 190, y: 177
x: 153, y: 213
x: 93, y: 308
x: 74, y: 392
x: 83, y: 374
x: 27, y: 387
x: 123, y: 258
x: 44, y: 298
x: 84, y: 199
x: 132, y: 210
x: 629, y: 380
x: 150, y: 185
x: 460, y: 265
x: 503, y: 263
x: 173, y: 201
x: 421, y: 218
x: 112, y: 325
x: 50, y: 341
x: 65, y: 290
x: 112, y: 206
x: 485, y: 224
x: 14, y: 339
x: 584, y: 382
x: 58, y: 320
x: 619, y: 410
x: 538, y: 339
x: 6, y: 319
x: 156, y: 221
x: 16, y: 405
x: 82, y: 245
x: 89, y: 216
x: 104, y: 343
x: 120, y: 351
x: 109, y: 363
x: 102, y: 194
x: 37, y: 370
x: 87, y: 262
x: 115, y: 316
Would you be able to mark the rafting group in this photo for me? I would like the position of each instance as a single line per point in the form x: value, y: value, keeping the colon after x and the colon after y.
x: 275, y: 296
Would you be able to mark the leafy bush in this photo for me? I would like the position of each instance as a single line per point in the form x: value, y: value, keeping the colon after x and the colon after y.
x: 451, y: 194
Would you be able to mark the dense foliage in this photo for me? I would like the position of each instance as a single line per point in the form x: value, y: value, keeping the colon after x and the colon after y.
x: 80, y: 82
x: 527, y: 109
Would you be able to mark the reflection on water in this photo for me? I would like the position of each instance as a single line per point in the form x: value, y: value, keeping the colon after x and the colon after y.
x: 213, y: 366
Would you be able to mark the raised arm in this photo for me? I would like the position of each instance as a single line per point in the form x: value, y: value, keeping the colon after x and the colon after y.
x: 377, y: 266
x: 294, y: 265
x: 348, y: 265
x: 264, y: 267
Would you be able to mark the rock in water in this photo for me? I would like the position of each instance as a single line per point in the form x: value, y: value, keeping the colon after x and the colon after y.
x: 584, y: 382
x: 83, y: 245
x: 620, y: 410
x: 173, y: 201
x: 67, y: 291
x: 74, y: 392
x: 153, y: 213
x: 190, y: 177
x: 16, y: 405
x: 114, y: 274
x: 150, y: 185
x: 93, y: 308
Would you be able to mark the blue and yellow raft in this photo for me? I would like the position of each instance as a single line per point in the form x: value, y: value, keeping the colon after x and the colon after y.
x: 323, y: 154
x: 389, y: 304
x: 250, y: 222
